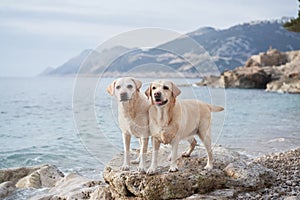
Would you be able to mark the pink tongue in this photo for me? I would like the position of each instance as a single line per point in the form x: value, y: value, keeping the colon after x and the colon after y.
x: 158, y: 102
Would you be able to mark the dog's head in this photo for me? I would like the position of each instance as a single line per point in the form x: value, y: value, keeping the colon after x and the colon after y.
x: 124, y: 88
x: 162, y: 92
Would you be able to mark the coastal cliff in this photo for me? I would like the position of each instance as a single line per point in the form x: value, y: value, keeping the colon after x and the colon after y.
x: 273, y: 70
x: 234, y: 176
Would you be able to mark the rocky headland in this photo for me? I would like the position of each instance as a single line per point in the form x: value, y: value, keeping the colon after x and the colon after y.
x: 273, y: 70
x: 234, y: 176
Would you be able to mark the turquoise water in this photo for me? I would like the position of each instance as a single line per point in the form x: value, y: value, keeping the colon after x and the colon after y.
x: 37, y: 123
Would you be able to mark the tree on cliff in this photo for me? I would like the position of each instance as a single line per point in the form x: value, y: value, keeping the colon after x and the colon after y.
x: 294, y: 24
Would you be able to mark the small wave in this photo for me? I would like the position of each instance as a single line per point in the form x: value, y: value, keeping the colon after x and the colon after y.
x: 276, y: 140
x: 31, y: 106
x: 33, y: 161
x: 24, y: 194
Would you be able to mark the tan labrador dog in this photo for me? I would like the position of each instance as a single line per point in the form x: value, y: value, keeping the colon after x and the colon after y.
x: 171, y: 120
x: 133, y: 109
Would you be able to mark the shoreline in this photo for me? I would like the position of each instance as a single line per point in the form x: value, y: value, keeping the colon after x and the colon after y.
x: 285, y: 164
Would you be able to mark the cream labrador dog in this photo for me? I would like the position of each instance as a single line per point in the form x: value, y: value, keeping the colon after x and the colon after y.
x: 172, y: 120
x: 133, y: 109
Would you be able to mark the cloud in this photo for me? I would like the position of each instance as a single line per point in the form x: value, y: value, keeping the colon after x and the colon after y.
x: 75, y: 19
x: 54, y: 7
x: 178, y: 15
x: 62, y: 28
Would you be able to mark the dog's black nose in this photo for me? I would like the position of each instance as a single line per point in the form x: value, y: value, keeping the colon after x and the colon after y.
x: 124, y: 96
x: 157, y: 94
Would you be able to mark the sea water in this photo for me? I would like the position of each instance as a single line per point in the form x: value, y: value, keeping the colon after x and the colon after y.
x: 39, y: 122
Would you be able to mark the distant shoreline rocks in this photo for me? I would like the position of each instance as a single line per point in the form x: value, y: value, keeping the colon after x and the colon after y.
x: 291, y: 86
x: 273, y: 70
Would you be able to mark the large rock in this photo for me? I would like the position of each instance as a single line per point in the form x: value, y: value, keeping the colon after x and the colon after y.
x: 251, y: 175
x: 242, y: 77
x: 28, y: 177
x: 231, y: 170
x: 15, y: 174
x: 212, y: 81
x: 248, y: 78
x: 284, y: 86
x: 46, y: 176
x: 272, y: 57
x: 6, y: 188
x: 73, y: 186
x: 272, y: 70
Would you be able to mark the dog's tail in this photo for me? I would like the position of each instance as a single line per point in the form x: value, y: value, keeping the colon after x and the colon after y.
x: 214, y: 108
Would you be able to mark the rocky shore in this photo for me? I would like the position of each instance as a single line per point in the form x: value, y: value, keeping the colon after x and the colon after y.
x: 273, y: 70
x: 235, y: 176
x: 287, y: 171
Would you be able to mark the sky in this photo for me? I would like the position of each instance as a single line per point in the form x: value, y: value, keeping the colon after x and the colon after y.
x: 36, y: 34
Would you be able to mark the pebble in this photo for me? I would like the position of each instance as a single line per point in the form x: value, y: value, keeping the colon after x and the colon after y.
x: 287, y: 184
x: 257, y: 196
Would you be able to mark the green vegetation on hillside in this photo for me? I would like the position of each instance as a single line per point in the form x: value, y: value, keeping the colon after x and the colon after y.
x: 294, y: 24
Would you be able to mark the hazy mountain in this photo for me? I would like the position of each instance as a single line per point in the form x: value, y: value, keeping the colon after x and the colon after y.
x: 46, y: 71
x: 231, y: 47
x: 88, y: 62
x: 72, y: 65
x: 228, y: 49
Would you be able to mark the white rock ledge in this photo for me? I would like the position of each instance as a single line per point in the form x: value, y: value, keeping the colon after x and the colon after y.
x: 232, y: 173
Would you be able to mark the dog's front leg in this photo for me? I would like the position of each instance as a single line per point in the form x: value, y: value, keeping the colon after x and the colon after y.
x: 173, y: 165
x: 137, y: 160
x: 155, y: 148
x: 143, y: 151
x: 126, y: 141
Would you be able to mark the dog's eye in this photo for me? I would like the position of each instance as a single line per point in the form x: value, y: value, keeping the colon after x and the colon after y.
x: 129, y: 86
x: 118, y: 87
x: 153, y: 88
x: 165, y: 87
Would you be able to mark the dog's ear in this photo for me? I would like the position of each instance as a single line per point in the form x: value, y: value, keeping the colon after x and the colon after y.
x: 148, y: 92
x: 175, y: 90
x: 138, y: 83
x: 111, y: 88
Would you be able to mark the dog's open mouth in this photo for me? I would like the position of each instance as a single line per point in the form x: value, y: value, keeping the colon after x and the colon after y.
x: 160, y: 102
x: 124, y: 99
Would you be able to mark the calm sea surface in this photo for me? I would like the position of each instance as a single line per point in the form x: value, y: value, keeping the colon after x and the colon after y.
x: 40, y: 122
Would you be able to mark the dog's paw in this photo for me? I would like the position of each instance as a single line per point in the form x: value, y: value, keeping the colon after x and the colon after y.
x: 173, y: 169
x: 208, y: 167
x: 125, y: 168
x: 141, y: 170
x: 186, y: 154
x: 151, y: 171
